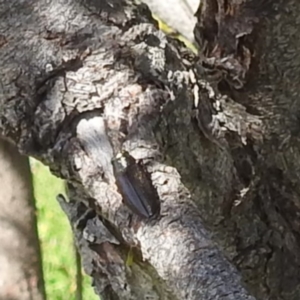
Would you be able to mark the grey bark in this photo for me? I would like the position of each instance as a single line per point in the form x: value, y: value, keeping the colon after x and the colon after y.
x: 21, y: 275
x: 92, y: 78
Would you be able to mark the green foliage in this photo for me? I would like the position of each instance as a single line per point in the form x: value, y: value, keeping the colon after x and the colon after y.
x: 55, y: 234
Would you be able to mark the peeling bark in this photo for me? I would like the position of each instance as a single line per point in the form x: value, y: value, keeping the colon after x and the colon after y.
x: 92, y: 78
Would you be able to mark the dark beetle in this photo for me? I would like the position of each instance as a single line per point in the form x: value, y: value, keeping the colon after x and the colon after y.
x: 135, y: 185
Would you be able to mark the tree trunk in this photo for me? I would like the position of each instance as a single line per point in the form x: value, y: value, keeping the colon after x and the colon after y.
x: 257, y: 40
x: 20, y: 260
x: 97, y: 77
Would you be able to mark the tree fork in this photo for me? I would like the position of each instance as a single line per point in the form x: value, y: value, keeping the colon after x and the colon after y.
x: 94, y: 78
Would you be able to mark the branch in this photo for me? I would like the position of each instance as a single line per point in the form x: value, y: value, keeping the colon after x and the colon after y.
x: 107, y: 81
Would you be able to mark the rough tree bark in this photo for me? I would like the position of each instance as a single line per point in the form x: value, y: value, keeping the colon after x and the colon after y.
x: 94, y: 77
x: 20, y: 260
